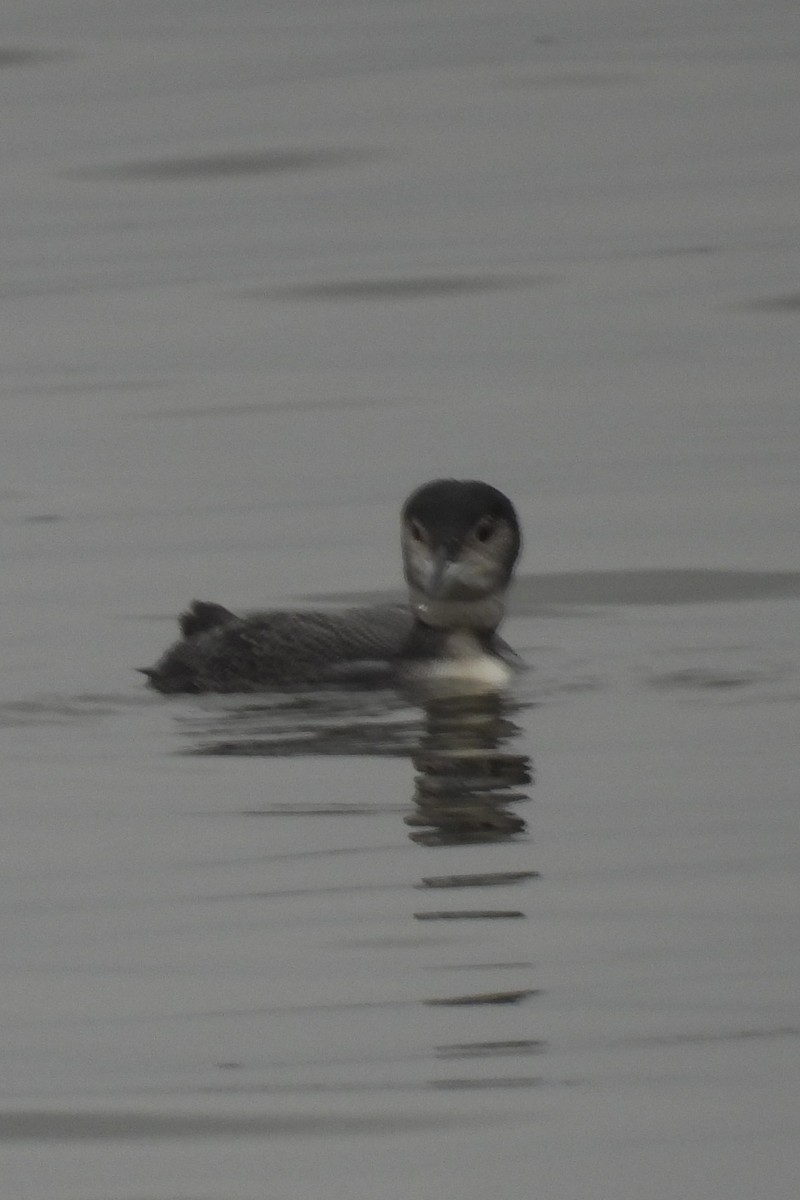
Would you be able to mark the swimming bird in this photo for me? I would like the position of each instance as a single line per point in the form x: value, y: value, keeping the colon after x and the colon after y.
x: 460, y: 543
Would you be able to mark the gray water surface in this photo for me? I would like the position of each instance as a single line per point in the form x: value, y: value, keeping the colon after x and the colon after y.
x: 266, y: 268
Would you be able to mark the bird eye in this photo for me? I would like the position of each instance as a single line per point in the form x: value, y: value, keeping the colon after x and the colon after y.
x: 417, y: 532
x: 484, y: 529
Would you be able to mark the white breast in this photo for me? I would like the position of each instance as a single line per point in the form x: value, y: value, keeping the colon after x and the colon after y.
x: 466, y: 663
x: 480, y: 670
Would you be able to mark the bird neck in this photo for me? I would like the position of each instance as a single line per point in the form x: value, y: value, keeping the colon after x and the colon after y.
x: 481, y: 616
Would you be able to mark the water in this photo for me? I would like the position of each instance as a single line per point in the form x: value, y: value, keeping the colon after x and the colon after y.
x: 268, y: 267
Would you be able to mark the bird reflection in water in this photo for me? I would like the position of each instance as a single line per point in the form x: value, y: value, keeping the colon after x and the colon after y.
x: 469, y: 778
x: 467, y: 782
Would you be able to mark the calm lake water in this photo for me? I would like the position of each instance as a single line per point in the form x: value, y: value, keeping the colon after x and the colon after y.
x: 266, y: 268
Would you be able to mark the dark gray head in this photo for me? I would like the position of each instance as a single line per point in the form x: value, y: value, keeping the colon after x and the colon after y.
x: 461, y: 540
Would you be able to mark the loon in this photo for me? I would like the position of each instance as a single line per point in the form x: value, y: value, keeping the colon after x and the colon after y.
x: 460, y: 543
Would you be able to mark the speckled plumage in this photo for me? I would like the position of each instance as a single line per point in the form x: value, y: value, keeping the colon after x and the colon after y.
x: 280, y: 648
